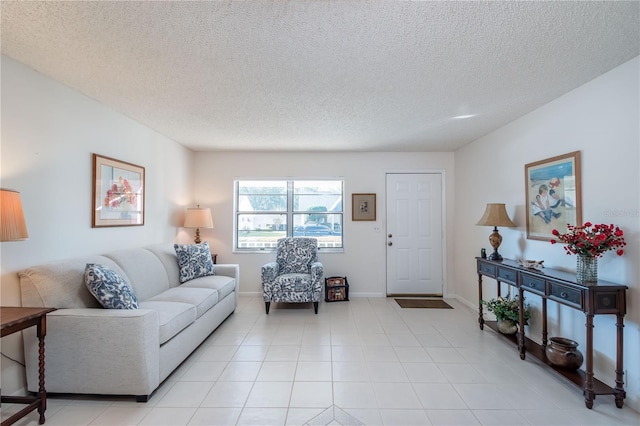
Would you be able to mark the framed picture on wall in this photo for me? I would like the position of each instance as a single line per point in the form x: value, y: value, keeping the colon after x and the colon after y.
x: 553, y: 195
x: 118, y: 193
x: 363, y: 207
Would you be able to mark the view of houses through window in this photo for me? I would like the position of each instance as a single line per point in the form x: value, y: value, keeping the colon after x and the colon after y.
x: 266, y: 210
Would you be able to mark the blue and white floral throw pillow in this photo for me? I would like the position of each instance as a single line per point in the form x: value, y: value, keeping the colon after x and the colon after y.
x: 194, y: 261
x: 109, y: 288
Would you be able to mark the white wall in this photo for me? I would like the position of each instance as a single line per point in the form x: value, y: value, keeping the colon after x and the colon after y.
x: 364, y: 257
x: 48, y: 135
x: 601, y: 120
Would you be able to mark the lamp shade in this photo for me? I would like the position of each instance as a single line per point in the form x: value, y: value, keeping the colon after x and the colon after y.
x: 495, y: 215
x: 12, y: 224
x: 198, y: 218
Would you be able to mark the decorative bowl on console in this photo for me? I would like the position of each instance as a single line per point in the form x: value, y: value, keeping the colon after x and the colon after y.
x: 531, y: 264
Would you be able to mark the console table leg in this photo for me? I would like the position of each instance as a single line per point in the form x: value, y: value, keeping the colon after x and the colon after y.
x: 618, y: 391
x: 521, y: 347
x: 480, y: 317
x: 544, y: 323
x: 589, y: 394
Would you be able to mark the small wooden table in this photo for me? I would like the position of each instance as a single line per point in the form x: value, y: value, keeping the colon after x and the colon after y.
x: 15, y: 319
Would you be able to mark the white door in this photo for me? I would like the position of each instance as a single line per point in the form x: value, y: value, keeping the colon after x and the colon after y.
x: 414, y: 234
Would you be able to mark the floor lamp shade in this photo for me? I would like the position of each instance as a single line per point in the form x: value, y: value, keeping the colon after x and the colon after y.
x: 198, y: 218
x: 495, y: 215
x: 13, y: 225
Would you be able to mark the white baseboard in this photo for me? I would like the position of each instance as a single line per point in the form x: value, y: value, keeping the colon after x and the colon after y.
x: 471, y: 305
x: 372, y: 295
x: 249, y: 293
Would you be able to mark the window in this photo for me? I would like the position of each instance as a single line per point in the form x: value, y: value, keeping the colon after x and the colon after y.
x: 266, y: 210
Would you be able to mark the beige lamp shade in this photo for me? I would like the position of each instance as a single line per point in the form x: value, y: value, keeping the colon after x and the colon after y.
x: 14, y: 227
x: 496, y: 215
x: 198, y: 218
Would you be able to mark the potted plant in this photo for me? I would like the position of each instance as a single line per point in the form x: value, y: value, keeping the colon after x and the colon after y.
x: 507, y: 312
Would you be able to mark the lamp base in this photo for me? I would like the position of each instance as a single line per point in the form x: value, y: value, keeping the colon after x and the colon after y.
x: 197, y: 240
x: 495, y: 256
x: 495, y: 239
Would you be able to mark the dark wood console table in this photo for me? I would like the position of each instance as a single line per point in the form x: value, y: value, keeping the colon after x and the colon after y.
x: 561, y: 287
x: 15, y: 319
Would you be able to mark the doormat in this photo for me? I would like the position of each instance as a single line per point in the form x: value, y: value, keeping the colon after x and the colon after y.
x: 423, y: 303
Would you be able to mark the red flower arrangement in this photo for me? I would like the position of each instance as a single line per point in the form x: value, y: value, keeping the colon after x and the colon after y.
x: 591, y: 240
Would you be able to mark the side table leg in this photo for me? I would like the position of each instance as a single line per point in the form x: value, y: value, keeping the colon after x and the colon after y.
x: 618, y: 391
x: 589, y: 394
x: 42, y: 394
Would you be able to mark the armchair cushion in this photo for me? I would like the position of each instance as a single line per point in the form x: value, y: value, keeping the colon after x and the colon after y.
x: 295, y: 255
x: 292, y: 282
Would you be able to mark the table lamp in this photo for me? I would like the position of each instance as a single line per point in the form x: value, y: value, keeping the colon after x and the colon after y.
x: 198, y: 218
x: 12, y: 223
x: 495, y: 215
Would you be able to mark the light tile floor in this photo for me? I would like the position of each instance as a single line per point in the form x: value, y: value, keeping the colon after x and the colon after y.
x: 366, y: 361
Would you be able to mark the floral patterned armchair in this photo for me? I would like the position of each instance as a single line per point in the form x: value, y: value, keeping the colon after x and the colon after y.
x: 296, y: 275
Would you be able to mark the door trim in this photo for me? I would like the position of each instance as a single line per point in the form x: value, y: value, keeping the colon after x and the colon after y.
x: 443, y: 206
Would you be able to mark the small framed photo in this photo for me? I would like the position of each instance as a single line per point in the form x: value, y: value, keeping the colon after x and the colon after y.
x: 363, y: 207
x: 118, y: 193
x: 553, y: 195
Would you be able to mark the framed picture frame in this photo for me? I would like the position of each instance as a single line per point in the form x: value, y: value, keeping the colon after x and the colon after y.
x: 363, y: 207
x: 118, y: 193
x: 553, y: 195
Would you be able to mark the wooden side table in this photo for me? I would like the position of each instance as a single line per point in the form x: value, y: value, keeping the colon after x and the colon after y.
x: 15, y: 319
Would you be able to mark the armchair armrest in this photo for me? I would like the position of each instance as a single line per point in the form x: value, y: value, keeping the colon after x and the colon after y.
x: 268, y: 273
x: 317, y: 273
x: 97, y: 351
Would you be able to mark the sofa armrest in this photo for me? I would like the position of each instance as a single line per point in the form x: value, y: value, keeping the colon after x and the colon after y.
x: 317, y: 273
x: 97, y: 351
x: 228, y: 270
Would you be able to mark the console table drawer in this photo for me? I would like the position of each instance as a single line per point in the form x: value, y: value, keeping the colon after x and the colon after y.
x: 533, y: 284
x: 507, y: 275
x: 566, y: 295
x: 486, y: 269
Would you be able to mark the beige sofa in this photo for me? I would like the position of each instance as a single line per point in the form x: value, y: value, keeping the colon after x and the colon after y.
x: 92, y: 350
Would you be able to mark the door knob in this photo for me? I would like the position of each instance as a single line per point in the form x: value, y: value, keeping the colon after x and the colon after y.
x: 390, y: 235
x: 389, y: 243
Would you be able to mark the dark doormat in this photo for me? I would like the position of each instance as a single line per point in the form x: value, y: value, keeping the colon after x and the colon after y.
x: 423, y: 303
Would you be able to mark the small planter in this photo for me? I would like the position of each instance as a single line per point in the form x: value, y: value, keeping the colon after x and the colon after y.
x: 507, y: 313
x: 507, y: 327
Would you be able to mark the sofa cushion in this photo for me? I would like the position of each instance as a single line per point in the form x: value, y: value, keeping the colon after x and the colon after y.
x: 223, y: 284
x: 109, y: 288
x: 145, y: 273
x: 194, y: 261
x: 173, y: 317
x: 202, y: 298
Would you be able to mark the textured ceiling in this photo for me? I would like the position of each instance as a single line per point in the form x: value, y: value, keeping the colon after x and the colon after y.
x: 322, y: 75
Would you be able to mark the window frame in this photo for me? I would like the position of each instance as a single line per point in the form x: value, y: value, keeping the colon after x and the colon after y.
x: 289, y: 213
